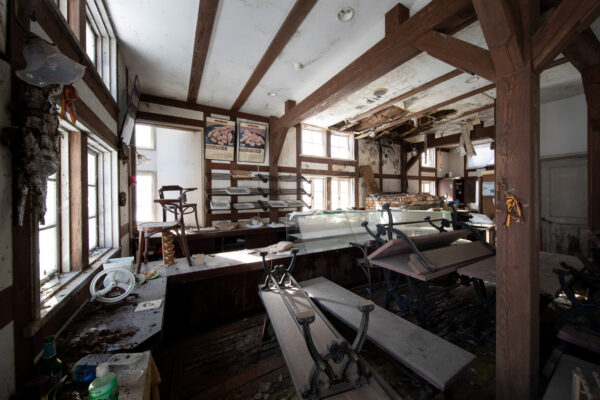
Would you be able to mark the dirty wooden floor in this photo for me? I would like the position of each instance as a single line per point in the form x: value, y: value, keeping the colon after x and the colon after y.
x: 222, y: 362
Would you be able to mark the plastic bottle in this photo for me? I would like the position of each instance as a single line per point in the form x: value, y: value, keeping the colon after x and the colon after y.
x: 50, y: 364
x: 104, y: 387
x: 85, y: 369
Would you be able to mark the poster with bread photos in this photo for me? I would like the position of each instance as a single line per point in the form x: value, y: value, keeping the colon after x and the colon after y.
x: 252, y: 142
x: 219, y: 141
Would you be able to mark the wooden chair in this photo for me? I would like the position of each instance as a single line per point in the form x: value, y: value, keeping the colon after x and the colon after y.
x: 188, y: 208
x: 177, y: 227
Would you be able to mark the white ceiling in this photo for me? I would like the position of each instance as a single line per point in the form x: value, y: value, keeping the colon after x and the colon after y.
x: 157, y: 39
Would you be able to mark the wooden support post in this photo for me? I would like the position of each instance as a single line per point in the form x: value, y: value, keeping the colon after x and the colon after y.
x: 591, y: 87
x: 77, y: 19
x: 517, y: 257
x: 78, y: 197
x: 403, y: 168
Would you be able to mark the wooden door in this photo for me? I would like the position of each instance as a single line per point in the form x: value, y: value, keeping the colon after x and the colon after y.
x: 564, y: 204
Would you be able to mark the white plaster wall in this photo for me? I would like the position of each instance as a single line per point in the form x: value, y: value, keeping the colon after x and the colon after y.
x: 7, y: 361
x: 287, y: 158
x: 368, y: 154
x: 413, y: 186
x: 391, y: 185
x: 443, y: 157
x: 390, y: 157
x: 456, y: 164
x: 563, y: 126
x: 5, y: 183
x: 179, y: 161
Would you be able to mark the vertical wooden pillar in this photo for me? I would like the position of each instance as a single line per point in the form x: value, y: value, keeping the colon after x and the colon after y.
x: 403, y: 168
x: 78, y: 195
x: 591, y: 87
x: 517, y: 258
x: 76, y: 18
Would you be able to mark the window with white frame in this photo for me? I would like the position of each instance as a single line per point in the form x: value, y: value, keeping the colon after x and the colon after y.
x: 428, y: 158
x: 91, y: 38
x: 102, y: 198
x: 342, y: 193
x: 317, y: 189
x: 92, y: 165
x: 53, y: 239
x: 144, y: 191
x: 428, y: 187
x: 49, y: 231
x: 313, y: 142
x: 342, y: 146
x: 101, y: 43
x: 144, y: 137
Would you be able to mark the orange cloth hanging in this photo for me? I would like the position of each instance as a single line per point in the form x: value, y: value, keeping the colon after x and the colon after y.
x: 68, y: 98
x: 513, y: 209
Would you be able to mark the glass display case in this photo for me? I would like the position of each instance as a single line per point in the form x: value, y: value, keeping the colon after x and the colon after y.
x: 329, y: 230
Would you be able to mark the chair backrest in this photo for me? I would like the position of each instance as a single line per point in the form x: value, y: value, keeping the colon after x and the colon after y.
x: 172, y: 188
x: 173, y: 203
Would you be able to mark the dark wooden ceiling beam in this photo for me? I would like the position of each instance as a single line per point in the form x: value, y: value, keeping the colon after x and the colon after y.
x: 567, y: 21
x: 295, y: 17
x: 502, y: 34
x: 478, y: 133
x: 207, y: 11
x: 584, y: 51
x: 390, y: 52
x: 458, y: 53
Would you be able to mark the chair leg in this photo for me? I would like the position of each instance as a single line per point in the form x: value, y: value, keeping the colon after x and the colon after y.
x: 184, y: 246
x: 146, y: 245
x: 139, y: 253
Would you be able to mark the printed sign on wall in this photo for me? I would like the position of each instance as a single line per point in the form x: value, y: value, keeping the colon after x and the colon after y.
x: 218, y: 139
x: 252, y: 142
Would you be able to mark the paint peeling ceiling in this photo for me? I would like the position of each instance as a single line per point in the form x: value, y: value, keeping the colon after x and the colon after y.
x: 157, y: 41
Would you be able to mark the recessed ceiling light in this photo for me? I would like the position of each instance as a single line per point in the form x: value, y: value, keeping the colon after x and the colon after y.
x: 472, y: 79
x: 271, y: 94
x: 380, y: 92
x: 345, y: 14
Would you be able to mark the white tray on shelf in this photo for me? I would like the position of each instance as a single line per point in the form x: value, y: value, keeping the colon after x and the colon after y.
x: 277, y: 203
x: 219, y: 205
x: 236, y: 191
x: 243, y: 206
x: 295, y: 203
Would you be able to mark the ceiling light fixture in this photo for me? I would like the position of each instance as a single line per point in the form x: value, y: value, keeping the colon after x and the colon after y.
x: 372, y: 133
x: 345, y: 14
x: 414, y: 152
x: 379, y: 92
x: 472, y: 79
x: 298, y: 66
x: 271, y: 94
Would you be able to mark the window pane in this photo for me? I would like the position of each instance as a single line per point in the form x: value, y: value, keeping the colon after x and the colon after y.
x: 428, y: 158
x: 313, y: 143
x: 51, y: 205
x: 92, y: 202
x: 335, y: 194
x: 93, y: 233
x: 48, y: 252
x: 143, y: 137
x: 144, y: 198
x: 342, y: 146
x: 92, y: 165
x: 90, y: 42
x: 318, y: 194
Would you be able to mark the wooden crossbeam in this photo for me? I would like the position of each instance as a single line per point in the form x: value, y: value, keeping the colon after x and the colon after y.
x: 447, y: 16
x: 207, y: 10
x: 295, y: 17
x: 477, y: 133
x: 502, y: 34
x: 568, y: 20
x: 584, y: 51
x: 470, y: 58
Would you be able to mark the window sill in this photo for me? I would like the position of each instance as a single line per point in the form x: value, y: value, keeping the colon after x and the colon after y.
x: 71, y: 284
